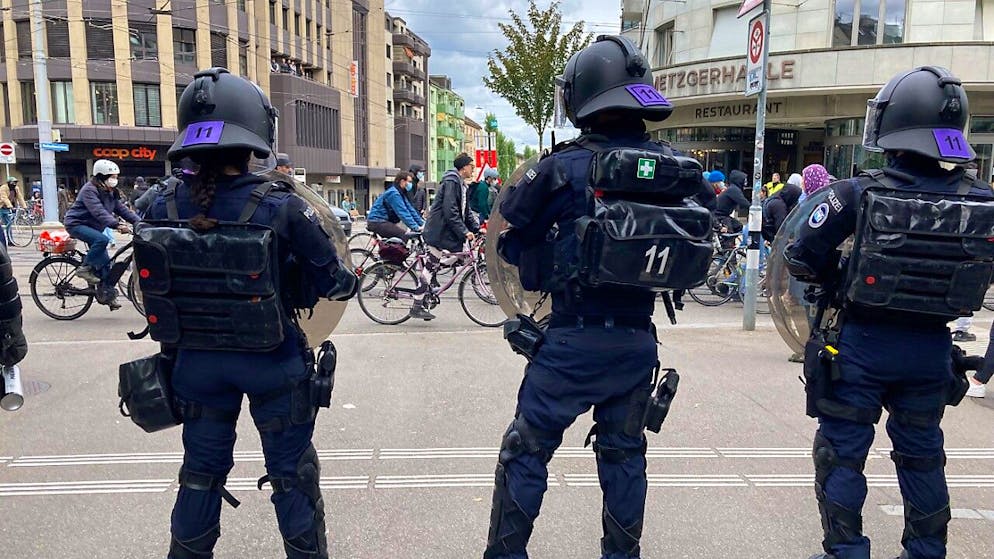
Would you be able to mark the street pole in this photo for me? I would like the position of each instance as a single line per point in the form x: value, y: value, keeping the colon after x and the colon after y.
x: 43, y: 96
x: 756, y: 208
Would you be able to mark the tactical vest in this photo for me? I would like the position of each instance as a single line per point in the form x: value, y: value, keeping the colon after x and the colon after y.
x: 921, y: 252
x: 215, y: 290
x: 642, y: 229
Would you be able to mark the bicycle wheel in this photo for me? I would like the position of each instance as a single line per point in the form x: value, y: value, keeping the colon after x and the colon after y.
x: 719, y: 287
x: 364, y: 240
x: 22, y: 232
x: 362, y: 259
x: 386, y: 293
x: 57, y: 291
x: 478, y: 300
x: 989, y: 299
x: 133, y: 293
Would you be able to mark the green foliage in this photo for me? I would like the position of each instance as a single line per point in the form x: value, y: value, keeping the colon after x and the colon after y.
x: 507, y: 161
x: 490, y: 124
x: 524, y: 72
x: 528, y: 152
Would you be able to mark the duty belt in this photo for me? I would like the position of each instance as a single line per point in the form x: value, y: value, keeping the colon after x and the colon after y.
x: 580, y: 321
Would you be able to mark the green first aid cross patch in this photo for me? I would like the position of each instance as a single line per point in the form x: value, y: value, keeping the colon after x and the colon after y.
x: 646, y: 169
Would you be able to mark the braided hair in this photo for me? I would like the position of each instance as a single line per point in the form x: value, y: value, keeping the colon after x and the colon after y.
x: 203, y: 185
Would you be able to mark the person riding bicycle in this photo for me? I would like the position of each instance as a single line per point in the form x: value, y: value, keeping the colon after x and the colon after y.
x: 10, y: 199
x: 392, y: 207
x: 450, y: 224
x: 98, y: 206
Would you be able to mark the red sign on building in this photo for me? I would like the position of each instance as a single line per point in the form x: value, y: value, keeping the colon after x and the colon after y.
x: 484, y: 157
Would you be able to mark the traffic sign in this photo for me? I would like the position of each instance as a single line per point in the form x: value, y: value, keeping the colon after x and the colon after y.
x: 7, y: 156
x: 55, y: 147
x: 747, y: 6
x: 755, y: 61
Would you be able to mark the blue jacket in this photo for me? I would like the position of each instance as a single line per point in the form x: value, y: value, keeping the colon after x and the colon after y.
x: 98, y: 208
x: 394, y: 207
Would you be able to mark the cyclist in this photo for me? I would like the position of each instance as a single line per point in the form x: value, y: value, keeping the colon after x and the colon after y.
x: 97, y: 206
x: 451, y: 223
x: 10, y: 199
x: 392, y: 207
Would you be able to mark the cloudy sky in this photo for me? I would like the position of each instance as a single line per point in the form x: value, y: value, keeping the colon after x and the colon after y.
x: 462, y: 33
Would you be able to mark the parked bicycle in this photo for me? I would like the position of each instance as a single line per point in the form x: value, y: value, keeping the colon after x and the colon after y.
x: 61, y: 294
x: 387, y: 288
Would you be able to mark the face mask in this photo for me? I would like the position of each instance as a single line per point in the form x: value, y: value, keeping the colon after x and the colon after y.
x: 408, y: 187
x: 421, y: 176
x: 112, y: 182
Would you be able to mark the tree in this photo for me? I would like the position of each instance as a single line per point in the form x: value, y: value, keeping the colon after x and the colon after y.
x: 528, y: 152
x: 524, y: 72
x: 506, y: 158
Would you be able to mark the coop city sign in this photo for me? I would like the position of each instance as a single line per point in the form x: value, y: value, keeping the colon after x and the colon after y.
x: 140, y: 152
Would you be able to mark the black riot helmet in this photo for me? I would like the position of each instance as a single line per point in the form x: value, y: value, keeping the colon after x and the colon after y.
x: 609, y: 75
x: 219, y: 110
x: 923, y: 111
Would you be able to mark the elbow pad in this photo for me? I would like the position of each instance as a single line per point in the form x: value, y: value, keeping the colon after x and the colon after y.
x: 346, y: 284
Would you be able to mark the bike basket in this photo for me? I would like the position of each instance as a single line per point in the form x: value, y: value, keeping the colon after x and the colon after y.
x: 393, y: 252
x: 56, y: 242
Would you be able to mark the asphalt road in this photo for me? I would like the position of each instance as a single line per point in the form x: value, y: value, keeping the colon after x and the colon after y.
x: 410, y: 442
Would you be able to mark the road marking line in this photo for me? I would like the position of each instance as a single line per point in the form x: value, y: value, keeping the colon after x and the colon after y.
x: 167, y: 458
x: 962, y: 514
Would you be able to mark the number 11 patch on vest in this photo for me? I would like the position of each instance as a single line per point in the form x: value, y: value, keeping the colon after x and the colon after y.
x: 646, y: 169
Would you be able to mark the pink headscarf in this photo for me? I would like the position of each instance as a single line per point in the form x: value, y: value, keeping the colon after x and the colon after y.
x: 816, y: 178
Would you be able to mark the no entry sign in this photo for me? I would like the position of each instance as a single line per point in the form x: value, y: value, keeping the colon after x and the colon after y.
x: 7, y: 153
x: 755, y: 61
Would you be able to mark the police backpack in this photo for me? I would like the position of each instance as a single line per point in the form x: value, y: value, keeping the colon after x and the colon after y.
x: 642, y: 229
x: 921, y: 252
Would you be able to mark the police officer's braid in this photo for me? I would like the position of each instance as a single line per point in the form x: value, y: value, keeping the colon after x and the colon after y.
x: 203, y: 190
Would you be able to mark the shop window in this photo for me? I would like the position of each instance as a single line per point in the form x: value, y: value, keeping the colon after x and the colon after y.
x: 144, y: 43
x: 62, y: 103
x: 28, y: 103
x: 664, y: 45
x: 58, y: 38
x: 104, y: 95
x: 185, y: 46
x: 727, y: 33
x: 23, y: 29
x: 219, y: 50
x: 868, y: 22
x: 148, y: 108
x: 99, y: 39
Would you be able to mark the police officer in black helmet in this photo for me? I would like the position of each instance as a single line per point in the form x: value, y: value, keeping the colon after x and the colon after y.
x: 921, y: 257
x: 225, y: 260
x: 599, y: 348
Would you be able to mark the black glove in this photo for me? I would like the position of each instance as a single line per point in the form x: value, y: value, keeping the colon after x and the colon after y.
x: 13, y: 345
x: 963, y: 362
x: 346, y: 284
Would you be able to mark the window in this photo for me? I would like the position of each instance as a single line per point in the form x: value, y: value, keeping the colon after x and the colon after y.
x: 727, y: 33
x: 307, y: 29
x: 185, y: 46
x: 58, y: 38
x: 104, y: 96
x: 286, y: 18
x: 99, y: 39
x: 879, y: 22
x: 389, y: 52
x: 62, y: 103
x: 179, y: 93
x: 317, y: 126
x: 664, y: 46
x: 219, y: 50
x: 296, y: 24
x: 28, y: 103
x: 240, y: 4
x: 23, y: 39
x: 243, y: 58
x: 144, y: 43
x: 148, y: 109
x: 389, y: 107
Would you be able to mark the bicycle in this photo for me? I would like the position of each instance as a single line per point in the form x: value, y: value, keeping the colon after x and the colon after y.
x: 389, y: 298
x: 22, y: 229
x: 724, y: 274
x: 60, y: 294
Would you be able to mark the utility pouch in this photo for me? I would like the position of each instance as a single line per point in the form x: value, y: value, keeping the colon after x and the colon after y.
x: 635, y: 421
x: 524, y: 335
x: 323, y: 380
x: 659, y: 404
x: 820, y: 371
x: 145, y: 389
x: 962, y: 363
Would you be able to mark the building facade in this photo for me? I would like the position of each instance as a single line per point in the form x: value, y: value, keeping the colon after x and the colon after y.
x: 827, y: 57
x: 473, y: 135
x: 446, y: 127
x: 116, y: 70
x: 410, y: 54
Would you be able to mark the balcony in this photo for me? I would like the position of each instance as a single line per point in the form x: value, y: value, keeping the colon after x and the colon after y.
x: 408, y: 96
x: 401, y: 40
x: 408, y: 69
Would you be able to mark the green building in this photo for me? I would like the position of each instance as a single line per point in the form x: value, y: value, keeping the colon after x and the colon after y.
x: 446, y: 111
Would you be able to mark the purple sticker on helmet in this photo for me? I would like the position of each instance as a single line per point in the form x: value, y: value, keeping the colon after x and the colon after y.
x: 952, y: 143
x: 647, y: 96
x: 206, y: 132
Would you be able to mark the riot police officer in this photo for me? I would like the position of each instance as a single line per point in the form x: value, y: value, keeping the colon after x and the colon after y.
x: 600, y: 347
x: 239, y: 255
x: 920, y: 258
x: 13, y: 345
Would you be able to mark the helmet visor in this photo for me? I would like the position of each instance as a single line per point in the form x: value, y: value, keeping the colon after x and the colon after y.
x: 871, y: 128
x: 559, y: 118
x: 261, y: 166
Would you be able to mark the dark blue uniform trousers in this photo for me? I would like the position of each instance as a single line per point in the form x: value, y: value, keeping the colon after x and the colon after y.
x: 575, y: 369
x: 907, y: 370
x: 219, y: 379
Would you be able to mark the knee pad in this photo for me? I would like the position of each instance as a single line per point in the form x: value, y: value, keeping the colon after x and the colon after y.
x: 839, y: 524
x: 612, y: 454
x: 618, y: 538
x: 918, y: 524
x: 521, y: 438
x: 200, y: 547
x: 206, y: 482
x: 313, y: 543
x: 918, y: 463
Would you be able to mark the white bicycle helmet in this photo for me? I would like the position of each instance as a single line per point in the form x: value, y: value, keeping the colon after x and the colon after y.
x: 106, y: 167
